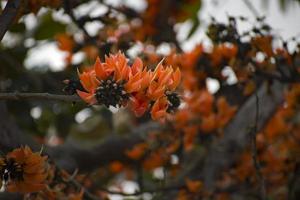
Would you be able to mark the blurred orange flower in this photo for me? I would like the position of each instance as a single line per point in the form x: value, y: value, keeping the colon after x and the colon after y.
x: 159, y: 109
x: 23, y: 171
x: 137, y: 151
x: 193, y: 185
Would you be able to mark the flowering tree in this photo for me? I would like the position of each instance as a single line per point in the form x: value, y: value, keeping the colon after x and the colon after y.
x: 125, y: 121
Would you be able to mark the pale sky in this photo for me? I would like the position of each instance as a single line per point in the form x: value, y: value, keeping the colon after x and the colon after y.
x: 286, y: 23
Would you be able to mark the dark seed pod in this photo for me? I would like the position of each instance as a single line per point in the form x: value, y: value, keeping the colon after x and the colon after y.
x: 10, y: 170
x: 72, y: 86
x: 174, y: 101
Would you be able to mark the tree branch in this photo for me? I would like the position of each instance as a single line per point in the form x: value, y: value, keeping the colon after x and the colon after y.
x: 68, y: 156
x: 91, y: 196
x: 8, y: 16
x: 251, y: 8
x: 71, y: 157
x: 222, y: 152
x: 39, y: 96
x: 69, y: 10
x: 256, y: 162
x: 236, y: 135
x: 154, y: 190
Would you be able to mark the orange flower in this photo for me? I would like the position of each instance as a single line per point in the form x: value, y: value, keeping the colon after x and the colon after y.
x: 174, y: 80
x: 162, y: 74
x: 155, y: 90
x: 139, y: 104
x: 137, y: 82
x: 182, y: 195
x: 66, y: 43
x: 89, y: 83
x: 190, y: 132
x: 263, y: 43
x: 102, y: 70
x: 137, y: 151
x: 159, y: 109
x: 116, y: 166
x: 115, y: 83
x: 78, y: 196
x: 193, y: 185
x: 155, y: 159
x: 118, y: 63
x: 227, y: 51
x: 91, y: 52
x: 137, y: 66
x: 104, y: 82
x: 163, y: 79
x: 209, y: 123
x: 201, y: 102
x: 225, y: 111
x: 23, y: 171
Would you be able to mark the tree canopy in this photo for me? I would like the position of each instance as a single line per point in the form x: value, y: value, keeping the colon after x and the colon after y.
x: 131, y: 115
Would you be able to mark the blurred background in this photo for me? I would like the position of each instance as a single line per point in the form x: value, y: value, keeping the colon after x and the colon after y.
x: 50, y: 40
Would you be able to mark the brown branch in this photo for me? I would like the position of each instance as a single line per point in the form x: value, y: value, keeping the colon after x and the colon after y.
x: 294, y: 183
x: 8, y: 16
x: 128, y: 12
x: 11, y: 136
x: 293, y: 78
x: 223, y: 152
x: 70, y: 157
x: 39, y: 96
x: 236, y: 134
x: 88, y: 195
x: 91, y: 196
x: 256, y: 162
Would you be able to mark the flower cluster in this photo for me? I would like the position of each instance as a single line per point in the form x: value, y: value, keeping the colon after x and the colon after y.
x: 23, y: 171
x: 116, y: 83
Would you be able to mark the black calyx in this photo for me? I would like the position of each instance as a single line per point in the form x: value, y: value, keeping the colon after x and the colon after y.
x: 11, y: 170
x: 173, y: 101
x: 111, y: 93
x: 72, y: 86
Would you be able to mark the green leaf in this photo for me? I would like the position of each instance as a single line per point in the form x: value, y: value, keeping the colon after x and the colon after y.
x: 48, y: 27
x: 193, y: 9
x: 18, y: 28
x: 196, y: 23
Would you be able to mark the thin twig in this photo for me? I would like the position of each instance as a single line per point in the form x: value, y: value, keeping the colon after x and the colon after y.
x: 155, y: 190
x: 128, y: 12
x: 39, y: 96
x: 256, y: 162
x: 8, y: 16
x: 69, y: 11
x: 71, y: 179
x: 251, y: 8
x: 137, y: 193
x: 87, y: 193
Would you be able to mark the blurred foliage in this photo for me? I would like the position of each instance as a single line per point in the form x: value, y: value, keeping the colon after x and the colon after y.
x: 48, y: 27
